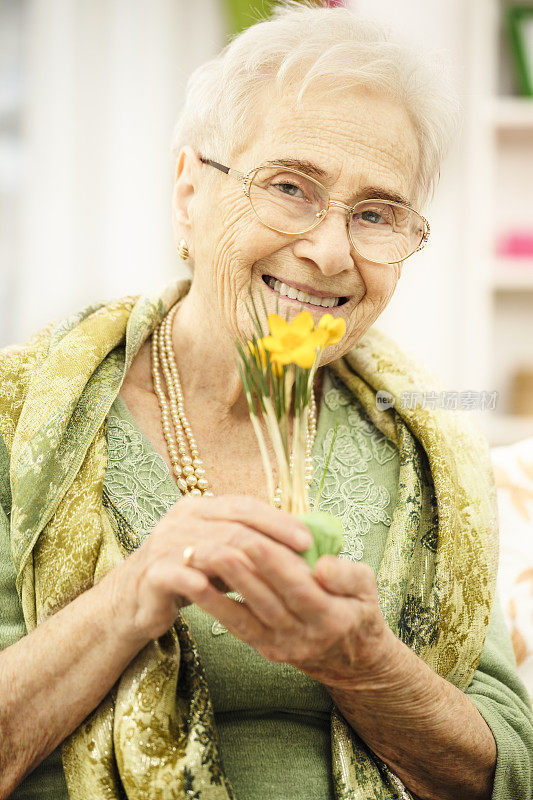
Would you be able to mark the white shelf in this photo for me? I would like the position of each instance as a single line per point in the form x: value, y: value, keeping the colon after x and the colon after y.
x: 496, y: 334
x: 511, y: 113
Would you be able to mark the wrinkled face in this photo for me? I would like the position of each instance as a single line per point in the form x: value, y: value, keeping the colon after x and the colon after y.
x: 358, y: 141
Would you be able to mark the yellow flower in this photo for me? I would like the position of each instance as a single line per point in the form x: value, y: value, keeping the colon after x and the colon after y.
x: 301, y: 325
x: 330, y: 330
x: 292, y: 342
x: 258, y: 351
x: 259, y: 354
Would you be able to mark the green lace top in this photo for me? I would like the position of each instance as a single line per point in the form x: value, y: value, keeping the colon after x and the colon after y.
x: 273, y: 720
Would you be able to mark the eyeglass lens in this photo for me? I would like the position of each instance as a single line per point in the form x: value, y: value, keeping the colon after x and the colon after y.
x: 290, y: 202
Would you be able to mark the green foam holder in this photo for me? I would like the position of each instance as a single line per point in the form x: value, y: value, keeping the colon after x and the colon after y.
x: 327, y: 532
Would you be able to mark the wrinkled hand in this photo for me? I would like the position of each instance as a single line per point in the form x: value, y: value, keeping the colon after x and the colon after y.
x: 327, y: 624
x: 148, y: 588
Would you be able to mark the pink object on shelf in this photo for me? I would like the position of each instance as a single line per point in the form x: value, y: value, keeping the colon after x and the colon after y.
x: 516, y: 245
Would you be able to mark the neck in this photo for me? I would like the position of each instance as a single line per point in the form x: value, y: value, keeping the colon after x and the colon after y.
x: 205, y: 357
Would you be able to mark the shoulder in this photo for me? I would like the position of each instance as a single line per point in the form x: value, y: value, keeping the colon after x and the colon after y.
x: 378, y: 353
x: 17, y: 364
x: 20, y: 362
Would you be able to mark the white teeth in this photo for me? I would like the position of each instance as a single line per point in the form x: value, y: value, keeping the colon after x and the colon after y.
x: 303, y: 297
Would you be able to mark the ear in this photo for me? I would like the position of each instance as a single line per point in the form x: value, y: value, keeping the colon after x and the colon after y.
x: 186, y: 182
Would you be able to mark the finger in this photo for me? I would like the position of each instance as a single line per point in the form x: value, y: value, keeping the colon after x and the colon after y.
x: 346, y: 578
x: 207, y: 554
x: 259, y: 597
x: 234, y: 616
x: 236, y: 570
x: 178, y: 580
x: 258, y: 515
x: 290, y: 577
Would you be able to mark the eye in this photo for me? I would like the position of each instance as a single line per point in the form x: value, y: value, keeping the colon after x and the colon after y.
x: 290, y: 189
x: 372, y: 216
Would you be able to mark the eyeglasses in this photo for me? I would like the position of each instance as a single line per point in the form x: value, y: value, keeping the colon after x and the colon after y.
x: 289, y: 201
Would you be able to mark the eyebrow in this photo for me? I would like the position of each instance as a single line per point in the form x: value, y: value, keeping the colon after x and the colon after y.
x: 368, y: 193
x: 375, y: 193
x: 304, y: 166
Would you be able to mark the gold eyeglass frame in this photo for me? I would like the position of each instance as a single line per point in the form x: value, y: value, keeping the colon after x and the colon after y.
x: 247, y: 178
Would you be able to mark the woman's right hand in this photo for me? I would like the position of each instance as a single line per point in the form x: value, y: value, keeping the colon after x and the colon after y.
x: 150, y: 586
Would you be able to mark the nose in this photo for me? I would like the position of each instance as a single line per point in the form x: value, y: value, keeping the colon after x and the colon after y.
x: 328, y: 244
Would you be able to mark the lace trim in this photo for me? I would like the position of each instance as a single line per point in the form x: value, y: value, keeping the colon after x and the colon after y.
x: 349, y: 492
x: 137, y: 480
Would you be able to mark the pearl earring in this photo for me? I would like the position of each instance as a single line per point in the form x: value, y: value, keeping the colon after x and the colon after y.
x: 183, y: 250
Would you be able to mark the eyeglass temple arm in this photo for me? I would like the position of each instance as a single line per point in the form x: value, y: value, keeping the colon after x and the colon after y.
x: 233, y: 173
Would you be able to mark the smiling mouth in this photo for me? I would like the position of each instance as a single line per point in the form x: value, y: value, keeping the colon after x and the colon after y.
x: 293, y: 293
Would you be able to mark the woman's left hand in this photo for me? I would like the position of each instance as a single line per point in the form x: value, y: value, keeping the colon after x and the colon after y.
x: 327, y: 623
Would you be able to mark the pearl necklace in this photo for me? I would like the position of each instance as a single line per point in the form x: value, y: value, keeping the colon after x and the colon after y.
x: 187, y: 465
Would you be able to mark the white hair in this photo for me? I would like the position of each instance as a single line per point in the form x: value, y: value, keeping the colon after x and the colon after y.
x: 308, y: 46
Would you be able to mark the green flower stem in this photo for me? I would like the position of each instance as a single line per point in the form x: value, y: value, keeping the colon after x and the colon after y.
x: 305, y: 428
x: 255, y: 317
x: 312, y: 373
x: 252, y: 382
x: 297, y: 466
x: 264, y: 456
x: 319, y: 493
x: 280, y: 449
x: 288, y: 385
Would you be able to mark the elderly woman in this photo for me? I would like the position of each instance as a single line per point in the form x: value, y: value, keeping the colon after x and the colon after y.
x: 178, y: 645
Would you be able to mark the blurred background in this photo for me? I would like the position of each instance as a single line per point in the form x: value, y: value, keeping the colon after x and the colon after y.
x: 90, y: 91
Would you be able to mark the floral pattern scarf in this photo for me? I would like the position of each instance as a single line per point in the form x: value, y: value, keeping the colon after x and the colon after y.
x: 154, y: 734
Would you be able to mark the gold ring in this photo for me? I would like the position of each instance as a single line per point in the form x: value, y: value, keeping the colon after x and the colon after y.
x: 188, y: 554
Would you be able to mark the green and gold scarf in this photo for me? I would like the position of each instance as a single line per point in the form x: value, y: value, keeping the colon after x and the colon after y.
x: 154, y: 734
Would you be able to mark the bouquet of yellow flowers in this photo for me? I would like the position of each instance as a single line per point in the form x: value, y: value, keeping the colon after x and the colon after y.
x: 277, y: 369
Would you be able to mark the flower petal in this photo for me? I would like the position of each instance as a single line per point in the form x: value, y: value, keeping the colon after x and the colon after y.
x: 337, y: 331
x: 277, y: 364
x: 302, y: 323
x: 325, y: 320
x: 259, y: 352
x: 333, y: 328
x: 272, y: 344
x: 304, y: 356
x: 277, y: 325
x: 321, y: 337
